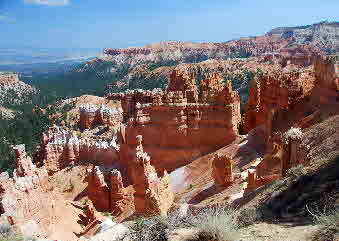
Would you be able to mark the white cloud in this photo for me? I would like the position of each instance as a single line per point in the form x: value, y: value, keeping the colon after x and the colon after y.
x: 4, y: 18
x: 49, y: 2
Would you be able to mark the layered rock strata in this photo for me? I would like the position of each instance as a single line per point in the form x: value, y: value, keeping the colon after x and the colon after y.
x: 130, y: 98
x: 222, y: 171
x: 23, y: 197
x: 274, y: 91
x: 91, y: 115
x: 185, y: 121
x: 326, y: 70
x: 61, y: 148
x: 288, y: 151
x: 147, y: 195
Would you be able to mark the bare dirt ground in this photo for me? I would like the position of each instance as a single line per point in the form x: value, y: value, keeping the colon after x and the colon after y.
x: 277, y: 232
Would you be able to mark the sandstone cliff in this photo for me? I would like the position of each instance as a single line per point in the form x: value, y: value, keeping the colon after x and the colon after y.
x: 181, y: 120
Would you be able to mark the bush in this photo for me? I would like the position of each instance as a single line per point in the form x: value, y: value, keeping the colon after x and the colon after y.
x: 329, y: 226
x: 219, y: 224
x: 248, y: 216
x: 64, y: 184
x: 296, y: 171
x: 151, y: 229
x: 7, y: 233
x: 5, y: 229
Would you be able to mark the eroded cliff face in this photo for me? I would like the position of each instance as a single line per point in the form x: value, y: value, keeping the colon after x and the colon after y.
x: 273, y: 91
x: 294, y: 114
x: 326, y: 70
x: 91, y: 115
x: 179, y: 125
x: 61, y: 147
x: 23, y: 197
x: 289, y: 150
x: 148, y: 194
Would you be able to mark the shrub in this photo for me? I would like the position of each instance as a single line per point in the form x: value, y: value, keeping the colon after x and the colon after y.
x: 219, y: 224
x: 329, y: 226
x: 151, y: 229
x: 64, y: 184
x: 7, y: 233
x: 5, y: 229
x: 296, y: 171
x: 248, y: 216
x: 107, y: 214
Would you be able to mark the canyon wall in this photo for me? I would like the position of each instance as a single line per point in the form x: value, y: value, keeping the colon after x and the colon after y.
x: 27, y: 198
x: 273, y: 91
x: 281, y: 106
x: 184, y: 122
x: 288, y: 151
x: 90, y: 116
x: 148, y: 194
x: 326, y: 70
x: 61, y: 148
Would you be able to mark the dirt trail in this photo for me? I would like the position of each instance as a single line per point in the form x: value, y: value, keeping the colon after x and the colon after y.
x: 277, y: 232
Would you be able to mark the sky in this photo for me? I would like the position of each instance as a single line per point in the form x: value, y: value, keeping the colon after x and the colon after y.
x: 124, y: 23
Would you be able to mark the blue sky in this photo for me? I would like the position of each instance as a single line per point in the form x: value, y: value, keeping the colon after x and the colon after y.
x: 123, y: 23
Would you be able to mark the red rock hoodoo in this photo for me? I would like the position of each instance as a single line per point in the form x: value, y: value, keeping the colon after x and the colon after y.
x: 180, y: 124
x: 222, y: 170
x: 90, y: 116
x: 148, y: 193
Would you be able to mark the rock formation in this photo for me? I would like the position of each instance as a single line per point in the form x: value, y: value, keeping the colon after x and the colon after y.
x: 180, y: 124
x: 147, y: 195
x: 222, y: 170
x: 274, y: 91
x: 24, y: 165
x: 107, y: 193
x: 23, y: 197
x: 295, y: 151
x: 152, y: 194
x: 288, y: 151
x: 326, y: 70
x: 90, y: 116
x: 61, y: 147
x: 130, y: 98
x: 9, y: 78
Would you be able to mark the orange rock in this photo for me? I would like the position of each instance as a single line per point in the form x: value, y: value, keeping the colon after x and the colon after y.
x: 222, y: 171
x: 275, y: 90
x: 175, y: 130
x: 24, y: 165
x: 149, y: 195
x: 288, y: 151
x: 61, y: 147
x: 90, y: 116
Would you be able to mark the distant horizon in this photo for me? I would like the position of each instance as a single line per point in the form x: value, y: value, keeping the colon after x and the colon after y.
x: 168, y: 40
x: 85, y: 24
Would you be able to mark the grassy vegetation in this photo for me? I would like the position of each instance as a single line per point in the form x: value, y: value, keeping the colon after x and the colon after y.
x: 8, y: 234
x: 218, y: 223
x: 329, y: 226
